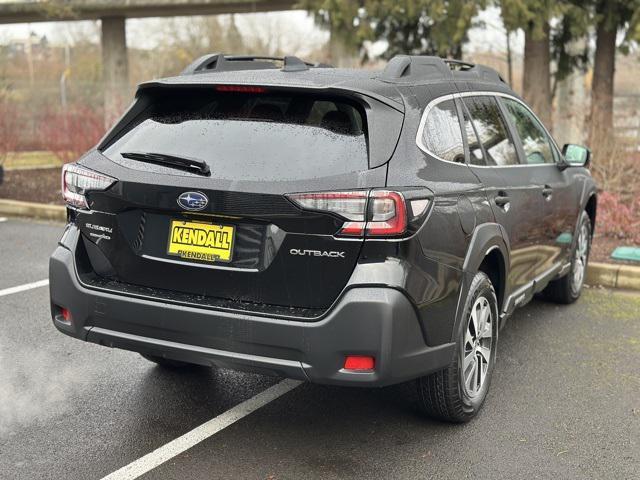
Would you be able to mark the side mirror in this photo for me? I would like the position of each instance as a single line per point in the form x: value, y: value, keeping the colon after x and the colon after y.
x: 576, y: 155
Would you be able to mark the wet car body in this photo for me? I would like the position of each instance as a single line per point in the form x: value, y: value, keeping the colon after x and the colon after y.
x: 297, y: 297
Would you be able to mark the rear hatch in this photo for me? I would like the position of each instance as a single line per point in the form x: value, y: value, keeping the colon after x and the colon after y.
x: 231, y: 234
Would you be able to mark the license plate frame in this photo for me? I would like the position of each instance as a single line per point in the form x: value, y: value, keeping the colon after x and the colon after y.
x: 196, y: 241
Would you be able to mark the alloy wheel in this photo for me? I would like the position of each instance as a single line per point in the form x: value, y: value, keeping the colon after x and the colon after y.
x: 580, y: 259
x: 477, y: 346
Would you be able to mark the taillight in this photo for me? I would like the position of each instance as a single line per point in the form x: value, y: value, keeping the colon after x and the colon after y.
x: 77, y: 181
x: 349, y: 205
x: 387, y: 214
x: 379, y: 213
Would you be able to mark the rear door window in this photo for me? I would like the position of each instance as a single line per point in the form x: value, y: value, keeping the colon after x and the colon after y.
x: 253, y: 136
x: 492, y: 132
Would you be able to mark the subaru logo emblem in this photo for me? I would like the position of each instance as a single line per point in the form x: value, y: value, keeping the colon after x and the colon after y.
x: 193, y: 201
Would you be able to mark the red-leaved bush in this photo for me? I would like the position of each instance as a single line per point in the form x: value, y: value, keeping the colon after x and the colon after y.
x: 618, y: 218
x: 69, y: 134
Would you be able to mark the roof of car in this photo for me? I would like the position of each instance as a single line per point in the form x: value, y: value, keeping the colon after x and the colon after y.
x: 385, y: 85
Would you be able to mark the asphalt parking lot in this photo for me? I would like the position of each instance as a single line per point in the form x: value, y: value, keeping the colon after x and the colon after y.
x: 564, y: 402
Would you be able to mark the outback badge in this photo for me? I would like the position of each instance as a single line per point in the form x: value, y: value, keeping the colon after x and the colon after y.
x: 193, y: 201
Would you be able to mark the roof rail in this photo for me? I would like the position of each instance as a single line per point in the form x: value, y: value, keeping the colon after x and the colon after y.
x: 487, y: 73
x: 412, y: 68
x: 458, y: 64
x: 219, y: 62
x: 417, y: 68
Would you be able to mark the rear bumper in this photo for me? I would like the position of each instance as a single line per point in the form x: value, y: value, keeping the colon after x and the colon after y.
x: 376, y: 321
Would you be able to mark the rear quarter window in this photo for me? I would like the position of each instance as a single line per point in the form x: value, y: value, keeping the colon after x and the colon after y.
x: 441, y: 133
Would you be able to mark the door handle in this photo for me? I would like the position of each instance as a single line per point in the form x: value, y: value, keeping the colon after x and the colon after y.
x: 502, y: 199
x: 547, y: 191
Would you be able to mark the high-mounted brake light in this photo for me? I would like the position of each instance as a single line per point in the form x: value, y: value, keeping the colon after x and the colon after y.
x: 240, y: 89
x: 77, y: 181
x: 379, y: 213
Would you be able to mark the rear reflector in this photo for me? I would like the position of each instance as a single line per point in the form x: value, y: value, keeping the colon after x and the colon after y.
x: 359, y: 362
x: 66, y: 315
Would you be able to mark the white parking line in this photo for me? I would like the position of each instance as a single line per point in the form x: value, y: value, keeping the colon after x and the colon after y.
x: 3, y: 219
x: 185, y: 442
x: 22, y: 288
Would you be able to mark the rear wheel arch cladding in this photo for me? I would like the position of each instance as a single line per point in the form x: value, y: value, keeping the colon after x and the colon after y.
x: 495, y: 267
x: 591, y: 207
x: 487, y: 241
x: 485, y: 238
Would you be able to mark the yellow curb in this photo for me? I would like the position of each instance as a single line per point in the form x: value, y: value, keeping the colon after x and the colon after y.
x: 602, y: 274
x: 613, y: 276
x: 41, y: 211
x: 629, y: 277
x: 19, y: 168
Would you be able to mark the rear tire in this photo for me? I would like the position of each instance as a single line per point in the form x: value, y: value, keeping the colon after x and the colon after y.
x: 567, y: 289
x: 456, y: 393
x: 169, y: 363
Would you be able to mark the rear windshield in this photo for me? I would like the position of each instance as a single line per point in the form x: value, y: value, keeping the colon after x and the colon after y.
x: 249, y: 136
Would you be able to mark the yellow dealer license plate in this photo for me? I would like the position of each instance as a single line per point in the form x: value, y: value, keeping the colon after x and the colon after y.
x: 201, y: 241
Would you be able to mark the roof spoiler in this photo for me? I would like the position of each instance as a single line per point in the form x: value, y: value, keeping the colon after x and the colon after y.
x: 219, y: 62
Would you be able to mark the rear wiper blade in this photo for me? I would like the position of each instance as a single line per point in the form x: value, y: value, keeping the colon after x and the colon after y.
x: 182, y: 163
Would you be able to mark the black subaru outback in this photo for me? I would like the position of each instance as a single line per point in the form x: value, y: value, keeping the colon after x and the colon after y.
x: 358, y: 228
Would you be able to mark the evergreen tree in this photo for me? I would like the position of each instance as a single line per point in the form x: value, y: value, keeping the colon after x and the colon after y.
x: 611, y: 17
x: 415, y: 27
x: 532, y: 16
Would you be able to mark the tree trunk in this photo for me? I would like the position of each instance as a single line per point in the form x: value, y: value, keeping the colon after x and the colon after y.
x: 509, y: 59
x: 536, y: 84
x: 571, y: 95
x: 601, y: 121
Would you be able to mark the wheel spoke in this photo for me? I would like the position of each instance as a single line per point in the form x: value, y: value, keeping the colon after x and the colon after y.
x: 482, y: 373
x: 472, y: 379
x: 468, y: 339
x: 582, y: 250
x: 486, y: 331
x: 478, y: 373
x: 466, y: 361
x: 485, y: 352
x: 484, y: 314
x: 474, y: 320
x: 582, y: 243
